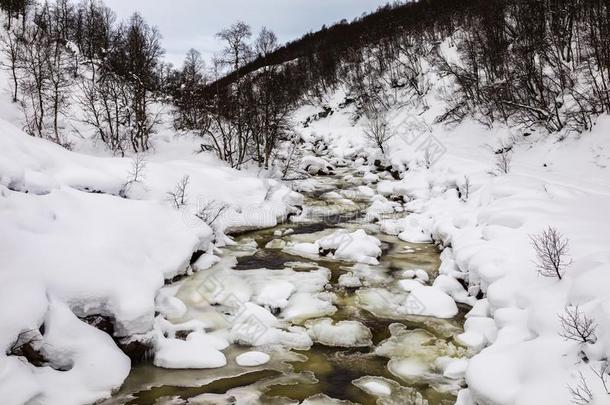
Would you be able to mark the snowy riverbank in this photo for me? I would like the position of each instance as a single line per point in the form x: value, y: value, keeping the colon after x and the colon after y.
x: 81, y: 238
x: 484, y: 220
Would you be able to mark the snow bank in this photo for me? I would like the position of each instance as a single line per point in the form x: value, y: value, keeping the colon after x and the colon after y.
x: 68, y: 233
x: 83, y: 363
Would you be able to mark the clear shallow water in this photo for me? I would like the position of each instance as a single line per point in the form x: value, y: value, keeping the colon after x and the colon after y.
x: 293, y: 376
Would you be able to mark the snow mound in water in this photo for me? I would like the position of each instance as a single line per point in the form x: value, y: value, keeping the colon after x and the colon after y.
x: 316, y: 165
x: 197, y: 352
x: 323, y: 399
x: 414, y: 353
x: 341, y: 334
x: 431, y: 301
x: 356, y: 247
x: 342, y: 245
x: 302, y: 306
x: 252, y: 359
x: 275, y: 294
x: 389, y: 391
x: 349, y: 280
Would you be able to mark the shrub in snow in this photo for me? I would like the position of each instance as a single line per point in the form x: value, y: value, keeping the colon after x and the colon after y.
x: 464, y: 189
x: 138, y: 165
x: 178, y: 196
x: 503, y: 161
x: 581, y: 393
x: 210, y: 211
x: 576, y: 325
x: 552, y: 252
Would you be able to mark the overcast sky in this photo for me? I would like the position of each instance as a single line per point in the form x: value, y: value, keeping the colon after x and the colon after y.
x: 187, y: 24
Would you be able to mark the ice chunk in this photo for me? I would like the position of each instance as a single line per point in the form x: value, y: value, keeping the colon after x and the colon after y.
x: 341, y: 334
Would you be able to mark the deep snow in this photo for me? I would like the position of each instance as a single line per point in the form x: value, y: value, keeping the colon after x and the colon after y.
x: 72, y: 245
x: 558, y: 180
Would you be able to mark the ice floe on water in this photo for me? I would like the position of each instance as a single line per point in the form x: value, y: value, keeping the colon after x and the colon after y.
x: 343, y: 245
x: 342, y: 333
x: 414, y: 355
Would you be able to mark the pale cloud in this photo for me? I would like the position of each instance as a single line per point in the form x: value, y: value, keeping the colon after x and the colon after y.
x: 187, y: 24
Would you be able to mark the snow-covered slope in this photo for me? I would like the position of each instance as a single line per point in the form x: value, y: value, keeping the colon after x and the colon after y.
x: 558, y: 180
x: 71, y: 246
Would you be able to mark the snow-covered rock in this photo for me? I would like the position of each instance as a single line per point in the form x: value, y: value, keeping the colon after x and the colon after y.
x: 316, y: 165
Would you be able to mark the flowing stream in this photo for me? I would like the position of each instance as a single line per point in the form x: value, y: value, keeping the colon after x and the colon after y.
x: 321, y: 372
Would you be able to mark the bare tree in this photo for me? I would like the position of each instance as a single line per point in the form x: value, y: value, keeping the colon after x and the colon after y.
x: 576, y: 325
x: 60, y: 84
x: 178, y: 197
x: 237, y: 51
x: 105, y: 105
x: 191, y: 78
x: 11, y: 48
x: 378, y: 131
x: 552, y: 252
x: 266, y: 42
x: 135, y: 61
x: 35, y: 79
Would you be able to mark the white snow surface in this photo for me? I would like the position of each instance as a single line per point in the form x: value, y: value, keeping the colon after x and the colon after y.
x: 72, y: 246
x: 559, y: 180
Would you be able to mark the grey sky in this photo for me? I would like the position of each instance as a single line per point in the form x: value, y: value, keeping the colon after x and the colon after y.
x: 187, y: 24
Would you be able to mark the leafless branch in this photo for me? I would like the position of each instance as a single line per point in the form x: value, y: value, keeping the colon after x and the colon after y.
x: 552, y: 252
